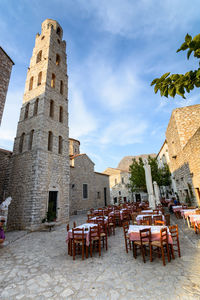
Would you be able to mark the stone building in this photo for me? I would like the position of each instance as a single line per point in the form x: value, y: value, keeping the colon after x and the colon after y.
x: 183, y: 141
x: 39, y: 180
x: 87, y: 188
x: 6, y: 64
x: 119, y: 180
x: 162, y: 159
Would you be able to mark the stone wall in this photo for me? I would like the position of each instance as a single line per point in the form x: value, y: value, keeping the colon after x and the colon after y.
x: 5, y: 157
x: 82, y: 172
x: 183, y: 142
x: 5, y: 70
x: 40, y: 161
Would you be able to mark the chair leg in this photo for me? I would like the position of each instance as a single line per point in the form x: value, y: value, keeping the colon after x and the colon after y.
x: 126, y: 245
x: 168, y: 255
x: 163, y: 256
x: 172, y: 251
x: 91, y: 244
x: 83, y: 251
x: 151, y: 258
x: 106, y: 243
x: 179, y: 251
x: 74, y: 251
x: 86, y: 251
x: 143, y: 253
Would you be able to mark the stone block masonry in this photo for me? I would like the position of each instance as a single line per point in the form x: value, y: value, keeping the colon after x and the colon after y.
x: 6, y: 64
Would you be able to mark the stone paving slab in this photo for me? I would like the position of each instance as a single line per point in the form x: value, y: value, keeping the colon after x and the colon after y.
x: 37, y: 266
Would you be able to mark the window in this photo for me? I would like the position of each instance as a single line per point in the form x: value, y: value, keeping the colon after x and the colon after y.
x: 119, y: 192
x: 30, y: 140
x: 26, y: 111
x: 39, y: 78
x: 50, y: 141
x: 57, y: 59
x: 115, y: 181
x: 60, y: 144
x: 58, y: 31
x: 51, y: 110
x: 53, y: 80
x: 61, y: 114
x: 31, y: 84
x: 35, y: 111
x: 98, y: 195
x: 122, y: 180
x: 39, y: 56
x: 61, y: 87
x: 85, y: 191
x: 21, y: 142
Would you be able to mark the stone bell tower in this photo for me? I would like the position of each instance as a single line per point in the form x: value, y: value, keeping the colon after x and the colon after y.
x: 39, y: 181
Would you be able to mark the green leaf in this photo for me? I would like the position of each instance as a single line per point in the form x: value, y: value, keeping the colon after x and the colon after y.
x: 165, y: 75
x: 188, y: 38
x: 154, y: 81
x: 189, y: 53
x: 156, y: 89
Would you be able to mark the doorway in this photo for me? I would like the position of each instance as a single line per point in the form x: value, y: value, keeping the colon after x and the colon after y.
x: 137, y: 197
x: 105, y: 196
x: 52, y: 206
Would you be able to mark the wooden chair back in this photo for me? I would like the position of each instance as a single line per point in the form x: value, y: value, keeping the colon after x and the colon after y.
x: 157, y: 218
x: 159, y: 223
x: 163, y: 236
x: 148, y: 218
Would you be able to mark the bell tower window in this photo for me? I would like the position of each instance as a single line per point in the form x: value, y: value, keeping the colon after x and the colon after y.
x: 21, y: 142
x: 53, y: 80
x: 61, y: 115
x: 57, y: 59
x: 51, y: 110
x: 50, y: 141
x: 36, y: 107
x: 39, y: 78
x: 31, y: 84
x: 60, y: 145
x: 58, y: 31
x: 39, y: 56
x: 26, y: 111
x: 31, y: 139
x: 61, y: 87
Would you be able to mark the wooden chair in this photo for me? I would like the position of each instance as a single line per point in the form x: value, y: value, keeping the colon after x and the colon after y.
x: 145, y: 222
x: 126, y: 216
x: 90, y: 216
x: 161, y: 244
x: 69, y: 246
x: 126, y: 236
x: 78, y: 240
x: 143, y: 243
x: 117, y: 218
x: 157, y: 218
x: 167, y: 219
x: 103, y: 234
x: 95, y: 239
x: 148, y: 218
x: 111, y: 225
x: 174, y: 234
x: 159, y: 223
x: 133, y: 217
x: 74, y: 224
x: 156, y: 211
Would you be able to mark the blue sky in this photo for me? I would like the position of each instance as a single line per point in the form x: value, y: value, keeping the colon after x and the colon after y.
x: 115, y: 49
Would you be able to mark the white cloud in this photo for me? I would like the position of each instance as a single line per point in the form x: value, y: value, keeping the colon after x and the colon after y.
x: 124, y: 132
x: 81, y: 120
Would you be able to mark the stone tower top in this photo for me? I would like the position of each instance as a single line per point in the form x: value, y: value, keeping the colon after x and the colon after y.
x: 74, y: 147
x: 48, y: 68
x: 52, y: 23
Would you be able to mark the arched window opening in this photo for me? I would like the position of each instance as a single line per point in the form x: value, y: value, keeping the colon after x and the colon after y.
x: 39, y: 56
x: 51, y: 110
x: 26, y: 111
x: 60, y: 144
x: 31, y: 84
x: 39, y: 78
x: 35, y: 111
x: 58, y: 31
x: 53, y: 80
x: 30, y: 140
x: 21, y: 142
x: 50, y: 141
x: 61, y: 114
x: 57, y: 59
x: 61, y: 87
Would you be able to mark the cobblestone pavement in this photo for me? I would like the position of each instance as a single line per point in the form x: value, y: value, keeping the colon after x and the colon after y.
x: 37, y: 266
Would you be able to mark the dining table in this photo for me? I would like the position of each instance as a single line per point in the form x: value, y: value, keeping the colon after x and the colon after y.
x: 86, y: 227
x: 140, y: 217
x: 134, y: 232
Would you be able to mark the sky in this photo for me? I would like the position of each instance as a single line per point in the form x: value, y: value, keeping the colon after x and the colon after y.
x: 115, y: 48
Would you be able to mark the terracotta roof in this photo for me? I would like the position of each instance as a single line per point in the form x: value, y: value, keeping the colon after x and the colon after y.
x: 74, y: 156
x: 5, y: 151
x: 101, y: 174
x: 74, y: 140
